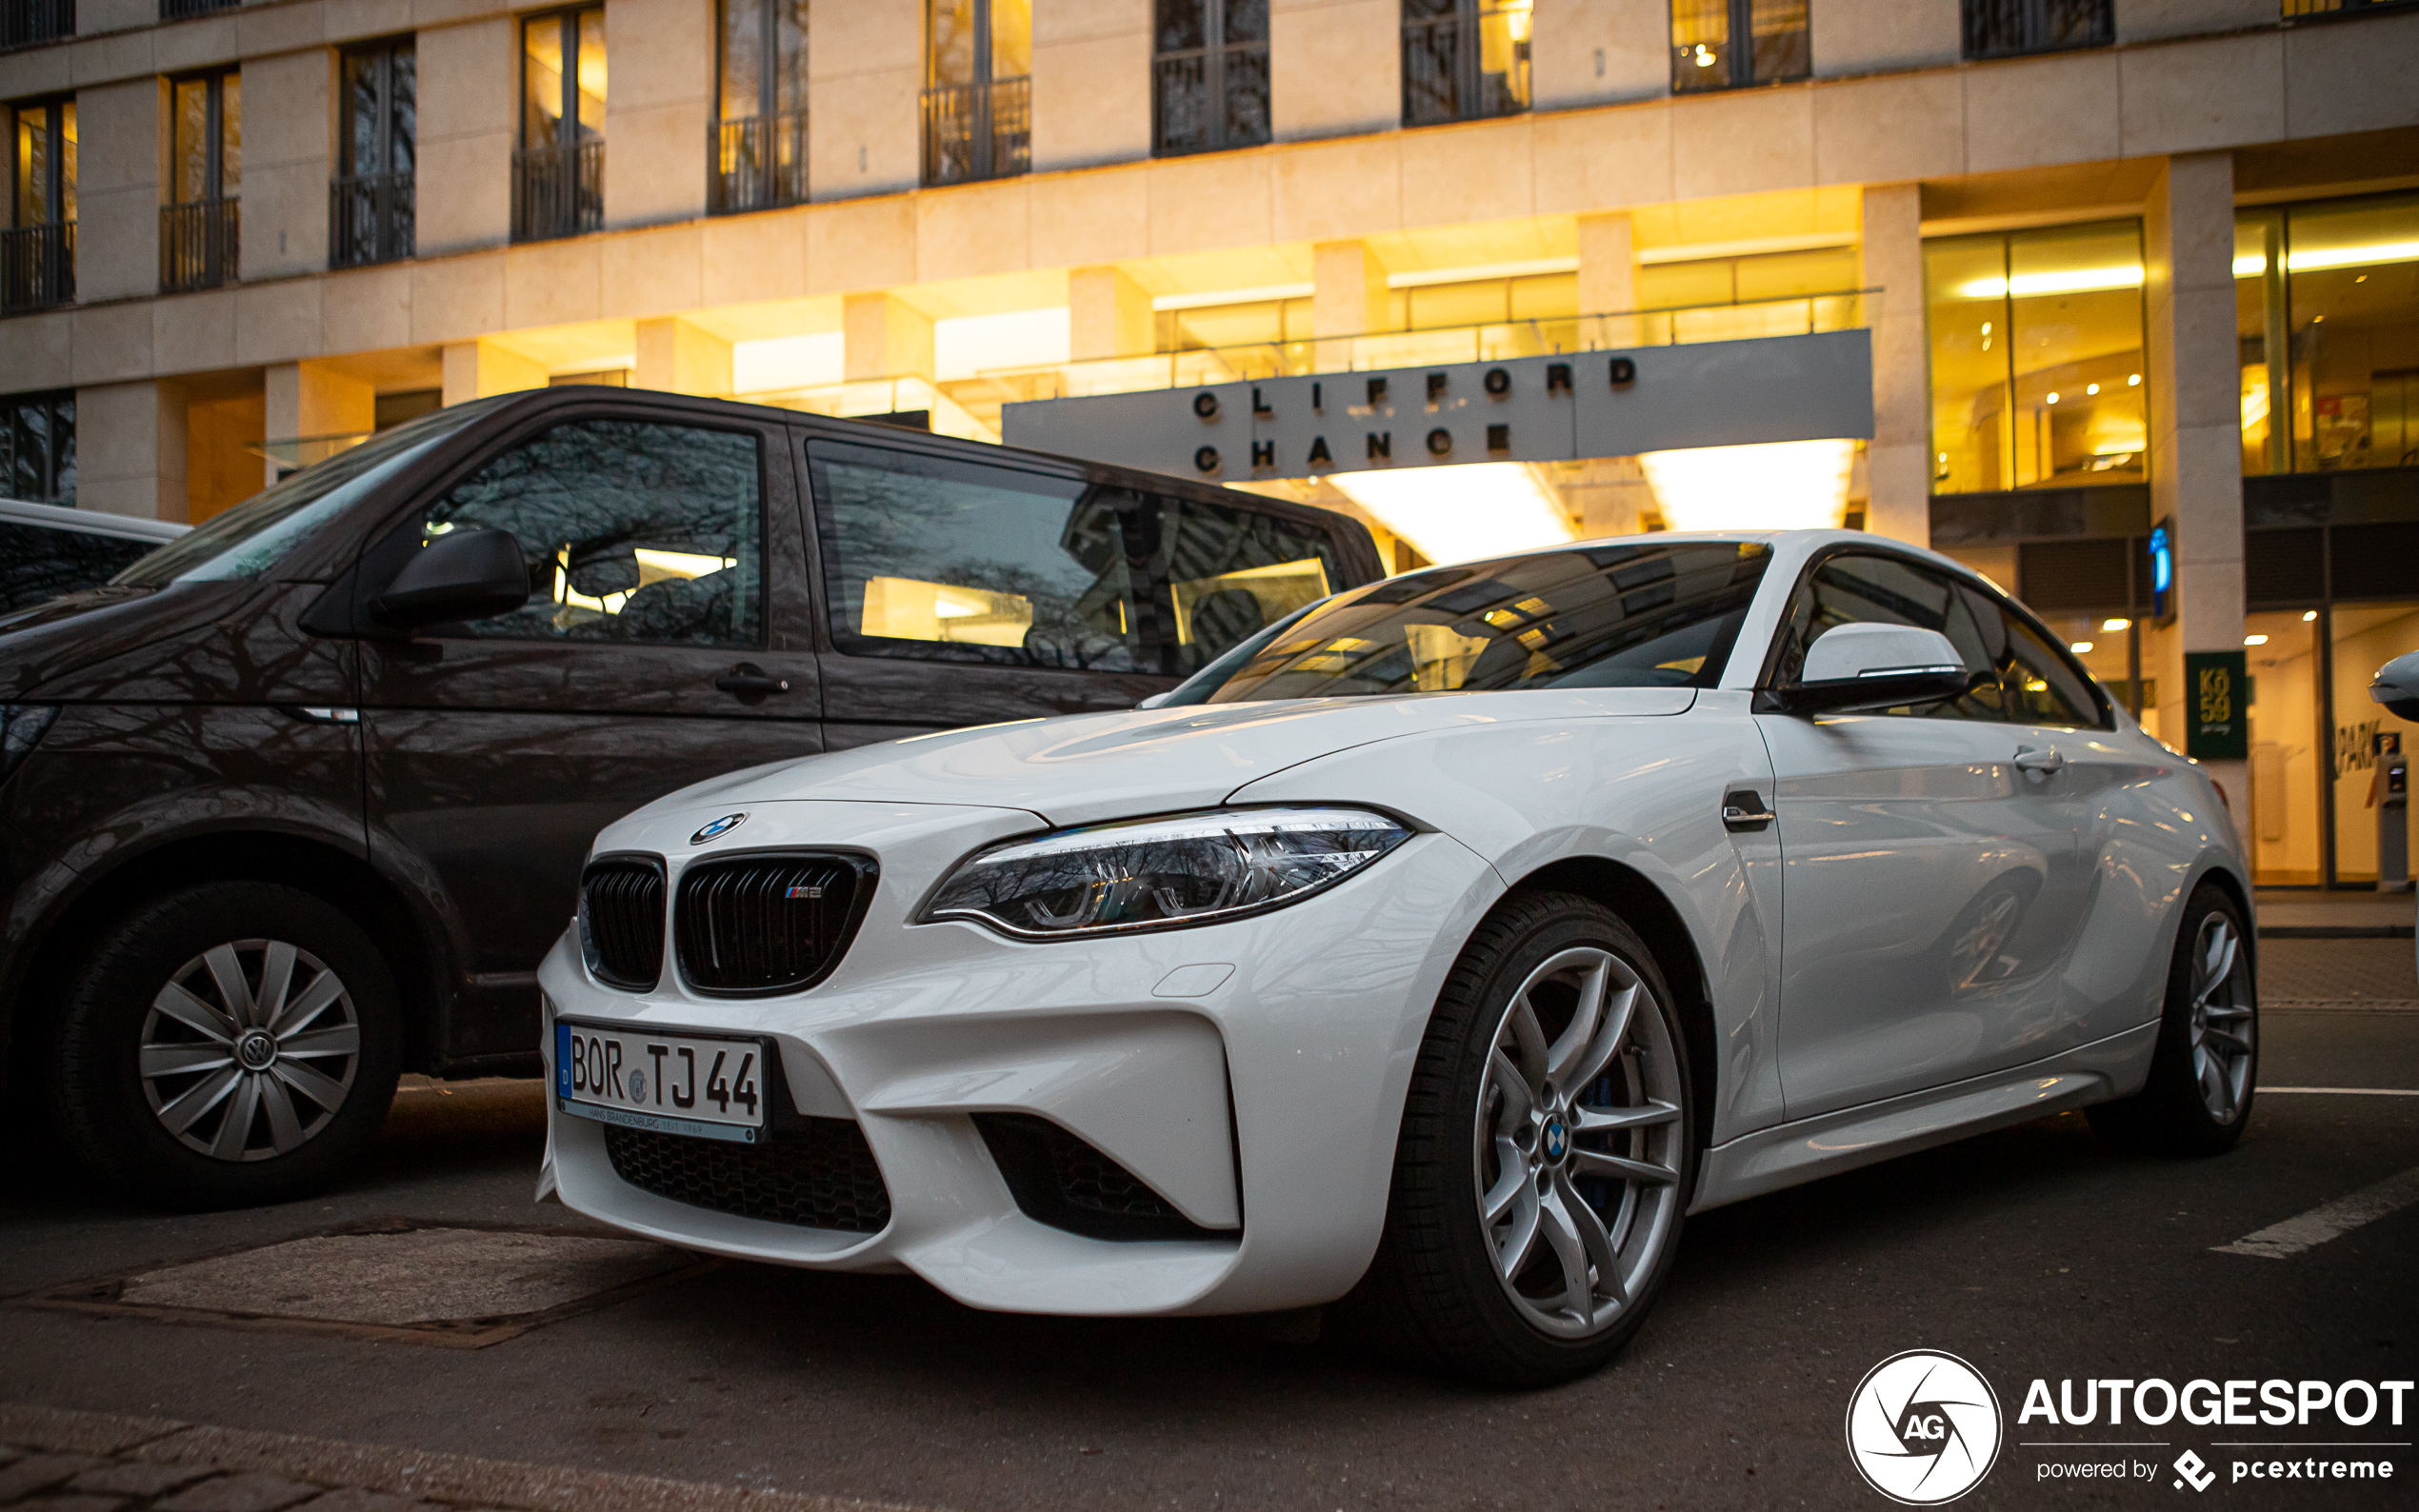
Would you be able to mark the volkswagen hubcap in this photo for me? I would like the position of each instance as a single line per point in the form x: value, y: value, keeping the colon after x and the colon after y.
x: 250, y: 1049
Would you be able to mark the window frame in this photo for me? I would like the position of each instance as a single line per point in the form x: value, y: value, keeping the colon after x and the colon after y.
x: 1738, y: 57
x: 384, y: 53
x: 1214, y: 53
x: 49, y: 123
x: 2031, y: 21
x: 214, y: 132
x: 566, y: 118
x: 58, y: 405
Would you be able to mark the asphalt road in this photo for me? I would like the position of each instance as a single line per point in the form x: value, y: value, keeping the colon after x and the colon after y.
x: 2033, y: 1252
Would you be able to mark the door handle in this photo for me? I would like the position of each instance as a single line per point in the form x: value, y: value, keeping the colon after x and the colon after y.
x: 1742, y: 811
x: 2043, y: 759
x: 750, y: 684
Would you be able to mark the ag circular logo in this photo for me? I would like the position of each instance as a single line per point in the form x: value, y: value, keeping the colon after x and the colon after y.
x: 718, y: 828
x: 1923, y: 1427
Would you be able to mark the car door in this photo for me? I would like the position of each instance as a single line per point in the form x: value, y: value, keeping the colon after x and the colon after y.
x: 1918, y: 860
x: 666, y: 640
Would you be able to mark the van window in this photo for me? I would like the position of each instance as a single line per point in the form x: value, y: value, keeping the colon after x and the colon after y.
x: 634, y: 531
x: 45, y: 563
x: 1232, y: 572
x: 942, y: 560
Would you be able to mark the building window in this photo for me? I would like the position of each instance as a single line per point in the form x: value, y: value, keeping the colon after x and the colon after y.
x: 2327, y: 320
x: 559, y: 172
x: 2036, y: 358
x: 2004, y: 29
x: 1463, y: 60
x: 370, y: 202
x: 1725, y: 43
x: 199, y: 230
x: 38, y: 253
x: 978, y: 102
x: 25, y: 22
x: 760, y: 136
x: 37, y: 447
x: 1209, y: 78
x: 186, y: 9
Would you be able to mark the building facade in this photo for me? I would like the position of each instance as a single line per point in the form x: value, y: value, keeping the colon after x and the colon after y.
x: 2101, y: 273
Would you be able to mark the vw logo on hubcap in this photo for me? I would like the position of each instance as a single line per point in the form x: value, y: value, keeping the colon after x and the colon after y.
x: 718, y: 828
x: 1557, y: 1140
x: 255, y: 1048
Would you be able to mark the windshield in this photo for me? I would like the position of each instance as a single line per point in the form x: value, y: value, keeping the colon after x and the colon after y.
x: 254, y: 536
x: 1614, y: 616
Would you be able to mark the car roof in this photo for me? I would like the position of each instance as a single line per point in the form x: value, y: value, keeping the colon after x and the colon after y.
x: 89, y: 522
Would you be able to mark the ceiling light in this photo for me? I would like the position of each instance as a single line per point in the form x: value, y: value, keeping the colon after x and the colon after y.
x: 2309, y: 615
x: 2116, y: 624
x: 1455, y: 514
x: 2362, y: 254
x: 1773, y: 485
x: 2134, y: 382
x: 2054, y: 399
x: 2090, y: 389
x: 2081, y: 648
x: 2069, y: 281
x: 2255, y: 640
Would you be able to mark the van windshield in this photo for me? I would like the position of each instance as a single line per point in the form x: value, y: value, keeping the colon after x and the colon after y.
x: 1611, y: 616
x: 248, y: 539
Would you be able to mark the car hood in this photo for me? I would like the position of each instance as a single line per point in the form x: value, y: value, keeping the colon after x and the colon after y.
x: 1090, y: 768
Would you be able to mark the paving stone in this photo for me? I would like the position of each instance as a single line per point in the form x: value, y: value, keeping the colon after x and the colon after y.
x: 39, y: 1472
x: 9, y: 1455
x: 240, y: 1493
x: 352, y: 1498
x: 74, y: 1504
x: 138, y: 1477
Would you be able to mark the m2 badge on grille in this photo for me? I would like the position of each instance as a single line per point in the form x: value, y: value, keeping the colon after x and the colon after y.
x: 670, y: 1084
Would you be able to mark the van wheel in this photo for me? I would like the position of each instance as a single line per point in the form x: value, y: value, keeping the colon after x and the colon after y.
x: 225, y: 1045
x: 2206, y: 1068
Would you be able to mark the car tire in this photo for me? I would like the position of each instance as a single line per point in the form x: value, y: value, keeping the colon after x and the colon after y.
x: 2206, y: 1068
x: 1500, y: 1183
x: 212, y: 1005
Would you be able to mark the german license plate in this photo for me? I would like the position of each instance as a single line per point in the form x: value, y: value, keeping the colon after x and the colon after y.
x: 674, y: 1084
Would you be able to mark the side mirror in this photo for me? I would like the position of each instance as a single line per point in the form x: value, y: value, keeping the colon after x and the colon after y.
x: 1153, y: 701
x: 1853, y: 668
x: 2397, y: 685
x: 468, y: 576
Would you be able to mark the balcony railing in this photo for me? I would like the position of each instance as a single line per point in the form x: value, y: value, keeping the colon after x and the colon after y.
x: 978, y: 131
x: 558, y: 191
x: 37, y: 267
x: 759, y: 163
x: 1210, y: 98
x: 184, y: 10
x: 2296, y: 9
x: 369, y: 219
x: 2000, y: 29
x: 25, y: 21
x: 1463, y: 68
x: 198, y: 241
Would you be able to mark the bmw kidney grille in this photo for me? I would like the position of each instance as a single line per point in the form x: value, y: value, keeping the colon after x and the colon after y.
x: 751, y: 926
x: 622, y: 921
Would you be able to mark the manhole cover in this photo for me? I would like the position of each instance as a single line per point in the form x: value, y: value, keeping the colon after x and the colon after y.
x: 437, y: 1283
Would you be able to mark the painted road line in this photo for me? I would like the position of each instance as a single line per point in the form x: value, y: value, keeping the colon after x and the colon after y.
x: 2347, y: 1091
x: 2329, y: 1220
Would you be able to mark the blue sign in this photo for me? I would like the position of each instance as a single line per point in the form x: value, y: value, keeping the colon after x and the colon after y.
x: 2162, y: 569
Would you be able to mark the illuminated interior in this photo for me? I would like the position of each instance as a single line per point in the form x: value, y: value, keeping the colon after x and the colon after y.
x: 907, y: 609
x: 1473, y: 510
x: 2336, y: 287
x: 1776, y: 485
x: 1279, y: 588
x: 654, y: 566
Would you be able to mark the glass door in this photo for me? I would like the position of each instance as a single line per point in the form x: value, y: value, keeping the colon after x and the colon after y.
x: 2365, y: 637
x: 2286, y: 822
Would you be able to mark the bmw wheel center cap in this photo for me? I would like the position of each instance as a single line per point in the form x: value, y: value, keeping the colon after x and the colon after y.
x: 1557, y: 1140
x: 718, y: 828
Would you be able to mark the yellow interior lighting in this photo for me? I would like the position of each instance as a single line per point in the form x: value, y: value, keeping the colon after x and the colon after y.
x: 1470, y: 510
x: 1773, y: 485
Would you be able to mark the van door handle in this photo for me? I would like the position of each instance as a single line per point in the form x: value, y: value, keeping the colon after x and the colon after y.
x: 2043, y: 759
x: 750, y: 684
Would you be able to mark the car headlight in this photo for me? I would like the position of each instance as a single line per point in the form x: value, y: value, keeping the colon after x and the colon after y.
x: 1162, y: 873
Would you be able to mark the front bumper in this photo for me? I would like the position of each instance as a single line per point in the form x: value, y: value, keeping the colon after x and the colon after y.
x: 1252, y: 1073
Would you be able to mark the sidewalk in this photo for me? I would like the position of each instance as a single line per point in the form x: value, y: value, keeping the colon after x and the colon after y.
x: 55, y: 1460
x: 2319, y: 915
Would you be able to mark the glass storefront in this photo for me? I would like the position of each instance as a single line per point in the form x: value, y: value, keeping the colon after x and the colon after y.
x: 2036, y: 358
x: 2364, y: 638
x: 2326, y: 317
x: 2287, y: 748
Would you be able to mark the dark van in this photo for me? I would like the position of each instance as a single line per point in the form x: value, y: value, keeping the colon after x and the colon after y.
x: 300, y: 799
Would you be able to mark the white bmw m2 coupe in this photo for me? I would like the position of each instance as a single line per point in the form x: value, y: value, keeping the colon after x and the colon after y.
x: 1436, y: 950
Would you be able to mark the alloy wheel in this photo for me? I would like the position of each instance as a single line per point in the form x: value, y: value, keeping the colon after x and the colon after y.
x: 2222, y: 1024
x: 1577, y: 1142
x: 250, y: 1049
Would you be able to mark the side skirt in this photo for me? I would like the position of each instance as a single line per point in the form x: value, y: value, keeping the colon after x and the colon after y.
x: 1789, y: 1154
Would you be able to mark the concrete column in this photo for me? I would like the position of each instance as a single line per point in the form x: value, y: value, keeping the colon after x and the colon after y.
x: 1108, y: 314
x: 1608, y: 275
x: 475, y: 369
x: 865, y: 74
x: 1335, y: 67
x: 288, y: 137
x: 311, y: 399
x: 1091, y: 83
x: 881, y: 337
x: 130, y: 448
x: 2196, y: 457
x: 469, y: 91
x: 1348, y: 296
x: 679, y: 358
x: 1898, y: 463
x: 658, y: 101
x: 118, y: 161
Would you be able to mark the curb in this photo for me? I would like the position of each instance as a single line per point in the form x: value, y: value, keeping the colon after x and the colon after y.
x: 2337, y: 931
x: 423, y: 1475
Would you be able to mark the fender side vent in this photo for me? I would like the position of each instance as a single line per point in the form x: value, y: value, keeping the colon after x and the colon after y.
x: 1059, y: 1180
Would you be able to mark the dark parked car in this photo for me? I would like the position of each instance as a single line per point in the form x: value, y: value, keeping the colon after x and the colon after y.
x: 48, y: 549
x: 301, y: 799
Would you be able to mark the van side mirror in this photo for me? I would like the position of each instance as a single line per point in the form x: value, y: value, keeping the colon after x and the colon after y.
x: 466, y: 575
x: 1853, y: 668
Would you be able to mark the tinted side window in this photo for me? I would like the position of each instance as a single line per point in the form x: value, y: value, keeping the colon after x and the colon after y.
x: 45, y: 563
x: 1886, y: 590
x: 1232, y: 572
x: 2042, y: 687
x: 634, y: 531
x: 941, y: 560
